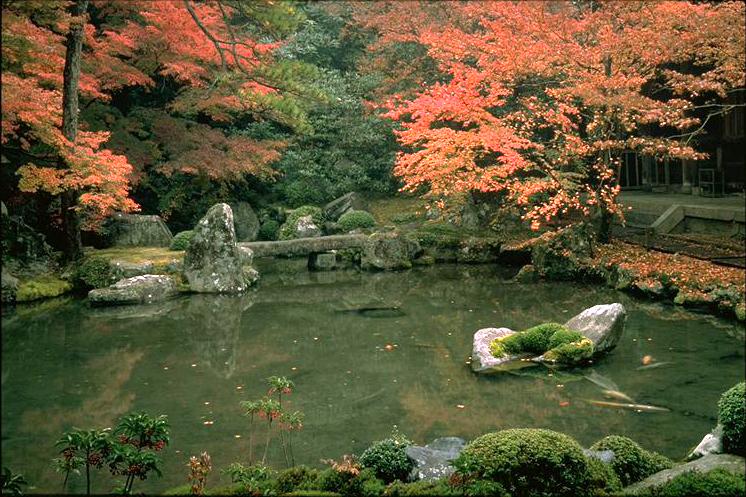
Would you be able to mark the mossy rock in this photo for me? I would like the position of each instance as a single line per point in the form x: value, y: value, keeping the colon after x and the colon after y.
x: 715, y: 483
x: 631, y: 462
x: 42, y: 287
x: 551, y: 341
x: 287, y: 230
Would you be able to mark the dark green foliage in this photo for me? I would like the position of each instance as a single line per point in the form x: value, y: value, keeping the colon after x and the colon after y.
x: 364, y: 484
x: 254, y: 480
x: 536, y: 340
x: 351, y: 220
x: 287, y: 231
x: 485, y: 488
x: 94, y: 272
x: 296, y: 478
x: 12, y: 482
x: 527, y: 462
x: 571, y: 353
x: 556, y: 342
x: 715, y: 483
x: 388, y: 458
x: 269, y: 230
x: 732, y: 415
x: 417, y: 488
x: 631, y: 462
x: 181, y: 240
x: 441, y: 235
x: 603, y: 477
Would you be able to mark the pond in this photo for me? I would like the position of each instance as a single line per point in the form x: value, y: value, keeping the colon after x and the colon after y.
x: 65, y: 364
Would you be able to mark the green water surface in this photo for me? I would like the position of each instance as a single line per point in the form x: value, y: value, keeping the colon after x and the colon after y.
x: 65, y: 364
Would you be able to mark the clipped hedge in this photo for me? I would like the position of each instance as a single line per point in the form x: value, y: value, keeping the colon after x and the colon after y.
x: 388, y: 458
x: 352, y: 220
x: 181, y: 240
x: 631, y: 462
x: 732, y: 415
x: 527, y: 462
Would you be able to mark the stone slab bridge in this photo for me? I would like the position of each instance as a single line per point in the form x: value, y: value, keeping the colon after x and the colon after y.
x: 300, y: 247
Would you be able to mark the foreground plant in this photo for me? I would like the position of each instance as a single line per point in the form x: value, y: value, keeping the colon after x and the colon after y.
x: 199, y: 468
x: 139, y: 437
x: 11, y: 483
x: 83, y: 448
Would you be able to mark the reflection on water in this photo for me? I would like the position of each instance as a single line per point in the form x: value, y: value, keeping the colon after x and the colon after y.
x: 196, y: 358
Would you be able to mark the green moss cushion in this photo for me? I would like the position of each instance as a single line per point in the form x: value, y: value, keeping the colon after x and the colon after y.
x: 631, y: 462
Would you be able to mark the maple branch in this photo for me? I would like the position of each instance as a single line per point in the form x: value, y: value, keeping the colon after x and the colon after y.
x: 207, y: 33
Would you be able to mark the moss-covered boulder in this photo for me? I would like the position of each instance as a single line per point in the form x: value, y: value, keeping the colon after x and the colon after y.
x: 213, y: 262
x: 303, y: 222
x: 42, y: 287
x: 561, y: 254
x: 9, y: 286
x: 137, y: 230
x: 631, y: 462
x: 689, y: 478
x: 245, y: 222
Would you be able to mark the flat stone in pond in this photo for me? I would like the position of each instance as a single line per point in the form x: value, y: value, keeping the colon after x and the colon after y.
x: 433, y: 461
x: 136, y: 290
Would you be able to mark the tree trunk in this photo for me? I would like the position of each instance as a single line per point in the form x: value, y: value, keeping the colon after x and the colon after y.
x: 71, y: 77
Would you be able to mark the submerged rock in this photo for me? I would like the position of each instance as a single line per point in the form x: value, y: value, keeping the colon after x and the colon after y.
x: 433, y: 461
x: 137, y: 230
x: 136, y: 290
x: 728, y: 462
x: 602, y: 324
x: 213, y: 262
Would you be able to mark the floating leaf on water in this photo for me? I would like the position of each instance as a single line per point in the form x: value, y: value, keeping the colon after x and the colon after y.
x: 208, y: 423
x: 564, y: 403
x: 460, y: 406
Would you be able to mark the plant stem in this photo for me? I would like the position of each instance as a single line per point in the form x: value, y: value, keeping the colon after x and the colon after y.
x: 290, y: 447
x: 87, y: 474
x: 269, y: 436
x: 251, y: 439
x: 284, y: 449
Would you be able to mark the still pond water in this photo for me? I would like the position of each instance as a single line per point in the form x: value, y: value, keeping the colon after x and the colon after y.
x: 65, y: 364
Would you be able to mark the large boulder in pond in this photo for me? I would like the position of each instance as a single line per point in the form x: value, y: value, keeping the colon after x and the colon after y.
x: 245, y: 221
x: 482, y: 360
x: 347, y: 202
x: 213, y: 262
x: 136, y: 230
x: 136, y: 290
x: 389, y: 251
x: 433, y: 461
x: 602, y: 324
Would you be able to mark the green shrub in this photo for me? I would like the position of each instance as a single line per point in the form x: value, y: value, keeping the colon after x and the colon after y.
x: 181, y: 240
x: 296, y: 478
x: 364, y: 484
x: 352, y: 220
x: 287, y: 231
x: 714, y: 483
x: 42, y: 287
x: 732, y: 415
x: 631, y: 462
x: 438, y: 487
x: 485, y: 488
x: 388, y: 458
x: 95, y: 272
x: 268, y: 230
x: 603, y: 477
x: 527, y: 462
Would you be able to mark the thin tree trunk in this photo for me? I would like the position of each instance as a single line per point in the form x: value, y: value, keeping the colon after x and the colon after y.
x: 71, y: 78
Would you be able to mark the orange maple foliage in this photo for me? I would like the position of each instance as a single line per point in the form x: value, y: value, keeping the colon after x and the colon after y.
x: 538, y: 100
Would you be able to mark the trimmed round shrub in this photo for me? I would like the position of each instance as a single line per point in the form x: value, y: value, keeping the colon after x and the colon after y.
x: 715, y: 483
x: 296, y: 478
x: 352, y: 220
x: 287, y: 230
x: 181, y: 240
x: 268, y: 230
x: 527, y: 462
x: 95, y: 272
x: 732, y: 415
x: 388, y: 458
x: 631, y: 462
x: 603, y: 476
x: 363, y: 484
